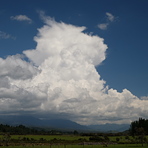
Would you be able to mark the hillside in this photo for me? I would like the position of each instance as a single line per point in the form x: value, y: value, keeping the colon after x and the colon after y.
x: 60, y: 124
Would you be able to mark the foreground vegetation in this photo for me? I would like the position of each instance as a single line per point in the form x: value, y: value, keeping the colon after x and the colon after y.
x: 78, y: 146
x: 21, y: 136
x: 75, y: 141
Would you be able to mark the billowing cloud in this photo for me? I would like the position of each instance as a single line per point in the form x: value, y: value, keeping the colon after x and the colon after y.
x: 61, y: 79
x: 21, y: 18
x: 16, y: 68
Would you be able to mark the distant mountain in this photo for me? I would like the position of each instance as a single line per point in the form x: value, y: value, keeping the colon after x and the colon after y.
x: 51, y: 123
x: 110, y: 127
x: 17, y: 120
x: 61, y: 124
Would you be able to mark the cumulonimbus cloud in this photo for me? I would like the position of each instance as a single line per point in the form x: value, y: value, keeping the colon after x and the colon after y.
x: 61, y: 79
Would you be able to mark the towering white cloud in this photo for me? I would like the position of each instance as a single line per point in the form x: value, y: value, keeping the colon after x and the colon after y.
x: 16, y: 68
x: 62, y: 79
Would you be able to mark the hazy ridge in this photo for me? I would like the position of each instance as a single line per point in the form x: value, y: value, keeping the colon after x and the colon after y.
x: 60, y: 124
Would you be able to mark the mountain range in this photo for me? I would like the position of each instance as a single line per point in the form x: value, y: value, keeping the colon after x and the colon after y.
x: 62, y: 124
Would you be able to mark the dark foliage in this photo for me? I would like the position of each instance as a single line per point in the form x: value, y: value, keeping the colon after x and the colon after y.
x: 19, y: 130
x: 23, y: 130
x: 97, y: 138
x: 139, y: 127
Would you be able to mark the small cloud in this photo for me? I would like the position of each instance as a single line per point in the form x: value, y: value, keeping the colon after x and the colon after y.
x: 21, y: 18
x: 4, y: 35
x: 109, y: 20
x: 103, y: 26
x: 144, y: 98
x: 110, y: 17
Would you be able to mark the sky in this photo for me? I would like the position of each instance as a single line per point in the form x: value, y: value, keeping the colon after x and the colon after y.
x: 82, y: 60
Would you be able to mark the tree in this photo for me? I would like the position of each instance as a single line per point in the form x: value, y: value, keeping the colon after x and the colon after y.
x: 127, y: 138
x: 75, y: 132
x: 141, y: 134
x: 6, y: 138
x: 117, y: 139
x: 141, y: 123
x: 106, y: 139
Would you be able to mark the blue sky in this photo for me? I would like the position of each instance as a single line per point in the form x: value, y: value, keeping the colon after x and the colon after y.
x: 124, y: 31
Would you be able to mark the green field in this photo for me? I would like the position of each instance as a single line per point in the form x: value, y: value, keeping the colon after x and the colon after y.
x: 79, y: 146
x: 65, y: 137
x: 66, y: 141
x: 51, y: 137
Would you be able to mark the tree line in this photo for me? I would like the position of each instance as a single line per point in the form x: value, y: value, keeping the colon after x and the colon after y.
x: 17, y: 130
x: 23, y: 130
x: 139, y: 127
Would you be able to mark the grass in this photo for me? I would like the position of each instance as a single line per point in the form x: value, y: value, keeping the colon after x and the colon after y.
x: 65, y: 137
x: 70, y: 138
x: 49, y: 137
x: 81, y: 146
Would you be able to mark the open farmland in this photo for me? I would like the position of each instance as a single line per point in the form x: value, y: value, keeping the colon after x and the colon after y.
x: 78, y: 146
x: 68, y: 141
x: 49, y: 137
